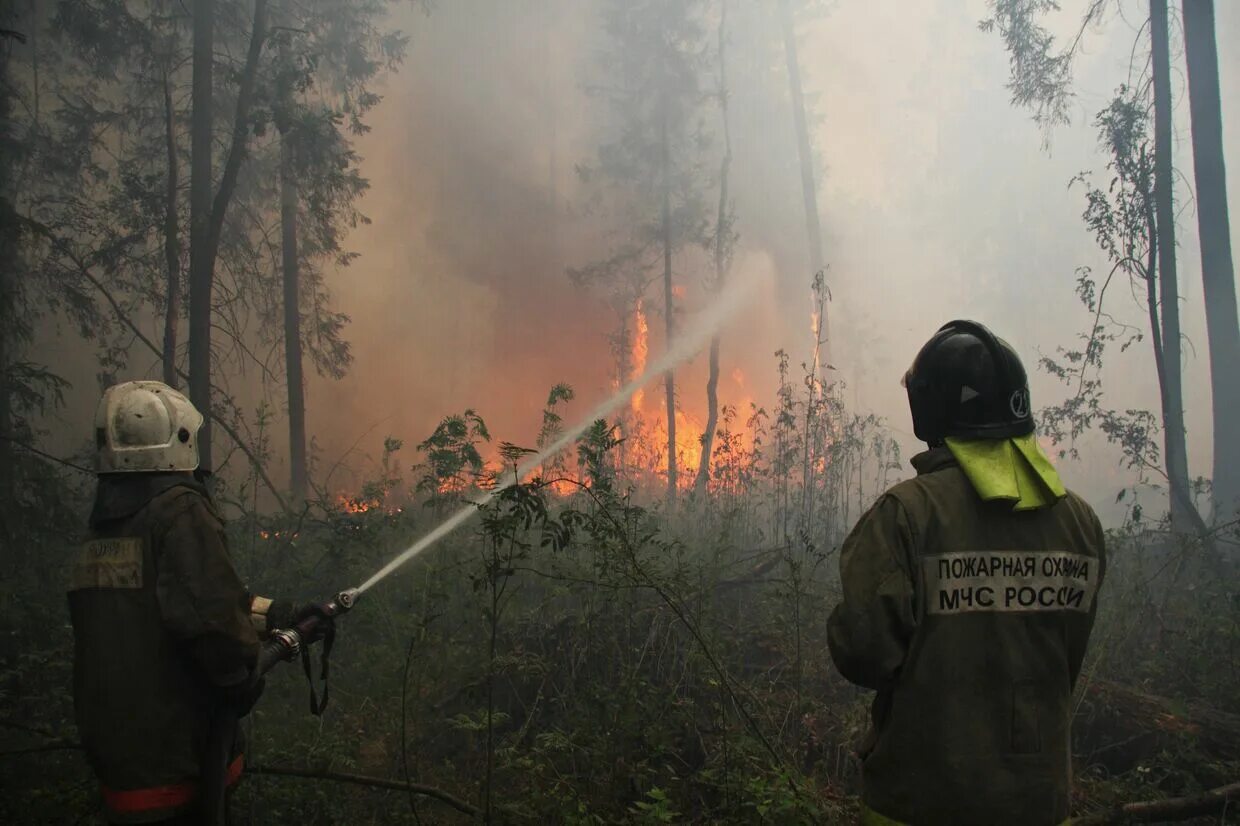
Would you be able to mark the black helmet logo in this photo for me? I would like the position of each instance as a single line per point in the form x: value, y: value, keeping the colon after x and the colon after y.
x: 1019, y: 403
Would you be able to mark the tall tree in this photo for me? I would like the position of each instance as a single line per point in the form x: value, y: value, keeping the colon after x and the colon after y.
x: 1041, y: 80
x: 172, y: 238
x: 201, y: 260
x: 809, y: 190
x: 1169, y: 296
x: 1214, y: 233
x: 292, y: 319
x: 10, y: 148
x: 669, y: 296
x: 723, y: 242
x: 207, y: 212
x: 325, y: 57
x: 651, y: 162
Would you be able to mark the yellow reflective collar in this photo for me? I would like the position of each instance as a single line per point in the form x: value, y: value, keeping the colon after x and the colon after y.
x: 1015, y: 470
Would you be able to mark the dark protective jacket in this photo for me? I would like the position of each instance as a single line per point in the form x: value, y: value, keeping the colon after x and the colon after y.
x: 162, y: 628
x: 970, y: 620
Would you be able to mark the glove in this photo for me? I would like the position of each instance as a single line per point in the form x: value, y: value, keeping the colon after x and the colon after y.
x: 313, y: 621
x: 280, y: 614
x: 243, y: 695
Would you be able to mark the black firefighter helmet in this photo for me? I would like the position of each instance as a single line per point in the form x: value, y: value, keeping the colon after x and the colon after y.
x: 969, y: 384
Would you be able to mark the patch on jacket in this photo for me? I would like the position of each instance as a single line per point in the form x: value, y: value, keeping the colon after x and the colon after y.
x: 959, y: 583
x: 108, y: 563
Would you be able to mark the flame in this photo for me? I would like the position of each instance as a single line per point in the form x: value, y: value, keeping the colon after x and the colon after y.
x: 452, y: 485
x: 646, y: 451
x: 564, y: 484
x: 353, y: 504
x: 678, y: 291
x: 641, y: 349
x: 816, y: 329
x: 277, y: 534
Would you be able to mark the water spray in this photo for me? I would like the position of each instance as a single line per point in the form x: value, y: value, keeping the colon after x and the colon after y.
x: 287, y: 643
x: 687, y: 345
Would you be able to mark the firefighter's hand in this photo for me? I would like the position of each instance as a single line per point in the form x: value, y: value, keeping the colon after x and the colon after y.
x: 313, y: 621
x: 244, y: 694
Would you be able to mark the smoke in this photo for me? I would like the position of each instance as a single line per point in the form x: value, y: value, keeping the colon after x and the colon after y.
x: 686, y: 345
x: 938, y: 201
x: 461, y: 297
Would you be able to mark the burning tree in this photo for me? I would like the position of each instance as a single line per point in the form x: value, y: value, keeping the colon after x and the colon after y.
x: 652, y: 166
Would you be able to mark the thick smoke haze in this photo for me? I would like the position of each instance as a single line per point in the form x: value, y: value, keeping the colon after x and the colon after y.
x: 938, y: 200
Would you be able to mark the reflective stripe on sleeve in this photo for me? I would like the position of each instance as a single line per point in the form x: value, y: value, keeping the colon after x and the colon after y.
x: 259, y: 606
x: 172, y: 796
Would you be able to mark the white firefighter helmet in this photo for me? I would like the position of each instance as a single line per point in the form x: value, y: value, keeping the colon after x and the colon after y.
x: 145, y: 426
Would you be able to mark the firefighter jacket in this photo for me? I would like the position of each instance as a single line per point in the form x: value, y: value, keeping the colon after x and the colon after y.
x: 970, y: 620
x: 162, y: 630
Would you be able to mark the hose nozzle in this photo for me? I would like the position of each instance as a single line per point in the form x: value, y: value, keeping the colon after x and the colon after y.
x: 344, y: 600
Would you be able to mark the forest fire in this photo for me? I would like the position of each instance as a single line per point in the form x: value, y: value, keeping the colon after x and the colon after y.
x: 641, y: 349
x: 645, y: 426
x: 352, y: 504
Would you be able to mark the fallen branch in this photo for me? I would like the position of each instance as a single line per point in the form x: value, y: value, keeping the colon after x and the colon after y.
x: 374, y: 782
x: 1132, y: 712
x: 757, y: 574
x: 1175, y: 808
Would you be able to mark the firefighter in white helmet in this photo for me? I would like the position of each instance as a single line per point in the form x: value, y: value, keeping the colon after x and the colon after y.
x: 165, y: 631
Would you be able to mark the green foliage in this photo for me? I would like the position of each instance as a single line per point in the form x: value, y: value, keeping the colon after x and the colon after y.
x: 656, y: 808
x: 453, y: 462
x: 595, y: 454
x: 1040, y: 71
x: 1040, y: 76
x: 585, y: 659
x: 1121, y: 218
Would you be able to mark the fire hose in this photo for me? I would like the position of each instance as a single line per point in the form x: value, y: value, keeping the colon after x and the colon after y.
x: 281, y: 645
x: 286, y: 643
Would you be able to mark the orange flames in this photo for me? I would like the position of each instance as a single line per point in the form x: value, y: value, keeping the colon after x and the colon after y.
x: 347, y: 503
x: 352, y: 504
x: 641, y: 349
x: 646, y: 431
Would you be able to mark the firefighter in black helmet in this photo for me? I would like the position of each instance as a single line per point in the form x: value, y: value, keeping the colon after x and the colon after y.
x: 165, y: 633
x: 969, y: 593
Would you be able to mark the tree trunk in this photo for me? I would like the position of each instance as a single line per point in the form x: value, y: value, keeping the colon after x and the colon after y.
x: 6, y: 394
x: 172, y: 244
x: 292, y: 323
x: 723, y: 242
x: 1173, y: 413
x: 808, y: 190
x: 200, y: 257
x: 206, y: 214
x: 669, y: 381
x: 8, y: 255
x: 625, y: 313
x: 1131, y: 726
x: 1214, y: 232
x: 8, y: 262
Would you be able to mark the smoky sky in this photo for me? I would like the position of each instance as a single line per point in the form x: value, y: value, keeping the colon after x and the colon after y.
x: 938, y: 200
